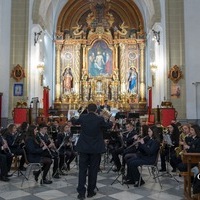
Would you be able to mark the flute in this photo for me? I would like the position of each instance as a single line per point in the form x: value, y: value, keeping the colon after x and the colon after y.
x: 136, y: 142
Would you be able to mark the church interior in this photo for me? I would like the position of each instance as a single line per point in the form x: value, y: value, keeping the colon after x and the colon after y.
x: 139, y: 56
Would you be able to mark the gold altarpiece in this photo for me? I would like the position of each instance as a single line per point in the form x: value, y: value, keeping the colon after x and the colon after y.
x: 97, y: 61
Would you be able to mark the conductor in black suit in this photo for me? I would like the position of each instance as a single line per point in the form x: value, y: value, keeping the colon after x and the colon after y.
x: 90, y: 146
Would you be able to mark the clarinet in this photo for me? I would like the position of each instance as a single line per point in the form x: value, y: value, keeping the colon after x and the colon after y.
x: 63, y: 142
x: 44, y: 144
x: 7, y: 149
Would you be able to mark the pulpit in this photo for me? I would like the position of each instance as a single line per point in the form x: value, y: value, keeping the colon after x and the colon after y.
x: 189, y: 158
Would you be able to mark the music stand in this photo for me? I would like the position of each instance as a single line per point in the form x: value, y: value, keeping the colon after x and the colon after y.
x: 134, y: 115
x: 166, y: 137
x: 75, y: 129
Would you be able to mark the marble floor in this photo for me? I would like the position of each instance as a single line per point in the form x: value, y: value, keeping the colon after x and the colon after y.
x: 65, y: 187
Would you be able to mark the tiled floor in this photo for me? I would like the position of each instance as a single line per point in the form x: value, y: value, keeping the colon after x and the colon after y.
x: 65, y: 188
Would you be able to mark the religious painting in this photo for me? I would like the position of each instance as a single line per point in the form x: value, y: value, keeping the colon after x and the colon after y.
x: 18, y: 89
x: 175, y: 91
x: 100, y: 59
x: 175, y: 74
x: 132, y: 81
x: 67, y: 80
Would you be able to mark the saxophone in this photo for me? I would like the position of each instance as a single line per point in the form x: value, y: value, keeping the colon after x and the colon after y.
x: 180, y: 150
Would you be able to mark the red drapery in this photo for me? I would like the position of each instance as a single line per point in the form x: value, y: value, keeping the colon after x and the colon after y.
x: 46, y: 101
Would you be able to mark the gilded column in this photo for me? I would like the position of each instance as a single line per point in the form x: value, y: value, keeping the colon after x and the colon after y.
x: 58, y: 66
x: 142, y: 74
x: 84, y: 57
x: 116, y: 56
x: 77, y: 68
x: 122, y: 68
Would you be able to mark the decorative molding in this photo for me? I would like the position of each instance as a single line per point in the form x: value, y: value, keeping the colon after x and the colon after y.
x: 18, y: 73
x: 175, y: 74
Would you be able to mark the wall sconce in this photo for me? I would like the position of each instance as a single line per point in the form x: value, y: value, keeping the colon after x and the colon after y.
x: 40, y: 68
x: 153, y: 68
x: 156, y: 35
x: 36, y: 37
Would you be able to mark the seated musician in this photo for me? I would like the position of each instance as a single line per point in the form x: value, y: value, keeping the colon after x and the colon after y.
x: 11, y: 136
x: 50, y: 144
x: 146, y: 154
x: 55, y: 129
x: 127, y: 140
x: 184, y: 138
x: 35, y: 148
x: 65, y: 147
x: 5, y: 160
x: 170, y: 142
x: 192, y: 146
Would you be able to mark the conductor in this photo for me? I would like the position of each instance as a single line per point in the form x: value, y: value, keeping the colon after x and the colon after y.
x: 90, y: 146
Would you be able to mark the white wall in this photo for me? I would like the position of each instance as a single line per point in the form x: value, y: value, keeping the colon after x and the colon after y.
x: 5, y: 21
x: 192, y: 55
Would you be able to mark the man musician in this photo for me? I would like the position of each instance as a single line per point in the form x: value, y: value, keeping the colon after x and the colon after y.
x: 127, y: 140
x: 65, y: 147
x: 50, y: 144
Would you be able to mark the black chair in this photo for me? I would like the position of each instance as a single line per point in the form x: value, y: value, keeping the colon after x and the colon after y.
x: 30, y: 167
x: 153, y: 170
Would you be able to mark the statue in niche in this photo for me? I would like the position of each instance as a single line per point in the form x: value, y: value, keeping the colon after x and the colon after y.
x: 132, y: 81
x: 67, y: 80
x: 78, y: 30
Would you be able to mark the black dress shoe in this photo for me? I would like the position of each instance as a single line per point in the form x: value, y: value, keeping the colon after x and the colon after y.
x: 45, y: 181
x: 91, y: 194
x: 81, y: 197
x: 162, y: 170
x: 22, y: 168
x: 9, y: 175
x: 116, y: 170
x: 137, y: 183
x: 129, y: 182
x: 56, y: 175
x: 4, y: 178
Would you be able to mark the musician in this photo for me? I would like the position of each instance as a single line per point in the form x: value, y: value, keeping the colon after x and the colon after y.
x: 191, y: 146
x: 105, y: 106
x: 50, y: 144
x: 168, y: 147
x: 5, y: 160
x: 146, y: 155
x: 65, y: 147
x: 35, y: 148
x: 184, y: 138
x: 90, y: 146
x: 127, y: 140
x: 11, y: 136
x: 55, y: 129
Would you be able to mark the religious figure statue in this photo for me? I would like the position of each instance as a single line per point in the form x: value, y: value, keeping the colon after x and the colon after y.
x: 67, y: 80
x: 123, y: 30
x: 132, y: 81
x: 78, y: 30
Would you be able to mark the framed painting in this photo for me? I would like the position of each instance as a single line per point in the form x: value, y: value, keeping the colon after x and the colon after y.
x: 100, y: 59
x: 18, y: 89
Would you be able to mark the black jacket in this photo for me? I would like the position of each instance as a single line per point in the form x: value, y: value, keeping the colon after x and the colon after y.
x: 91, y: 136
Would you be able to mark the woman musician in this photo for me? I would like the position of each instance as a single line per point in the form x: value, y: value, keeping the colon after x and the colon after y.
x: 51, y: 151
x: 11, y: 135
x: 65, y: 147
x: 192, y: 146
x: 146, y: 154
x: 34, y: 149
x: 5, y: 159
x: 169, y: 143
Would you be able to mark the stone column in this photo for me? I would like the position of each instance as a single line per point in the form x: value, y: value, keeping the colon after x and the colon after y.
x: 57, y: 73
x: 142, y: 74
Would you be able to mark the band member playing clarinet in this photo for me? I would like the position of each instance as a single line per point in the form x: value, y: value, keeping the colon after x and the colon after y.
x: 90, y: 146
x: 5, y: 159
x: 65, y: 147
x: 51, y: 146
x: 34, y: 148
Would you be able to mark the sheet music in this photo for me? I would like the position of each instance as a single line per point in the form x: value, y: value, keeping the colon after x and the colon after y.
x: 167, y: 139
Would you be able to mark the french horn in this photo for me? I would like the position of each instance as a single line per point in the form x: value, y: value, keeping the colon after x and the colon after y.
x: 106, y: 113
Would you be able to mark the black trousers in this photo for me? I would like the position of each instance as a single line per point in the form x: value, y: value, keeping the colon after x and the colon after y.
x: 88, y: 163
x: 5, y: 163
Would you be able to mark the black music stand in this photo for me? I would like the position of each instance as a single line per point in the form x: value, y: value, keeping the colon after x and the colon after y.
x: 134, y: 115
x: 75, y: 129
